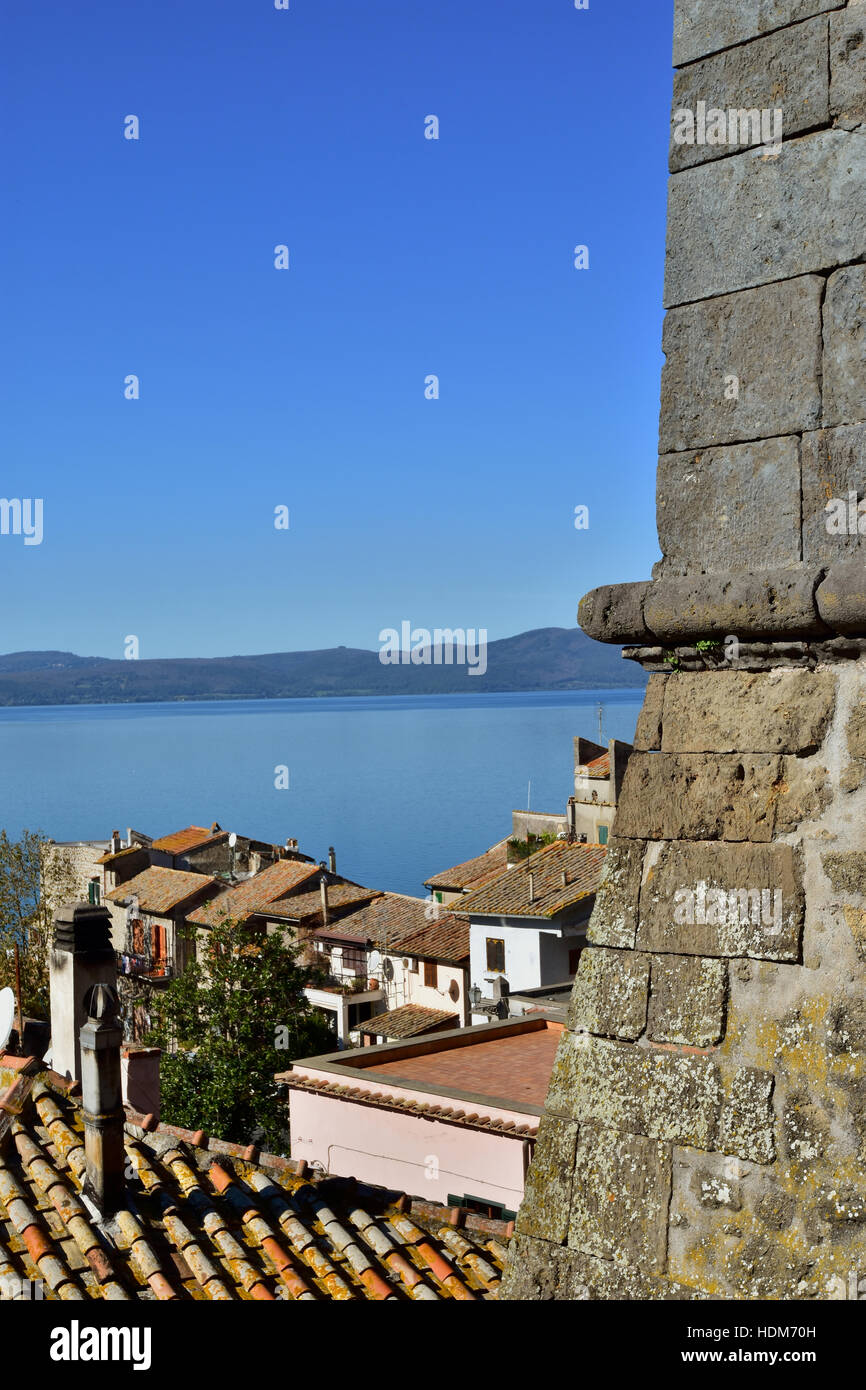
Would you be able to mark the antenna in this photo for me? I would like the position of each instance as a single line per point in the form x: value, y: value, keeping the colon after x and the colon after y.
x: 529, y: 796
x: 601, y: 723
x: 7, y: 1016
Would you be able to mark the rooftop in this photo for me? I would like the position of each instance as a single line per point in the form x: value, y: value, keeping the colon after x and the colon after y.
x: 563, y: 874
x: 256, y: 893
x: 403, y: 926
x: 193, y: 837
x: 473, y: 872
x: 505, y: 1065
x: 304, y: 907
x: 407, y: 1021
x: 159, y: 890
x: 599, y: 767
x: 208, y: 1220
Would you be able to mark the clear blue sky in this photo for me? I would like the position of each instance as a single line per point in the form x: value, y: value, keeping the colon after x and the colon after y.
x: 306, y: 387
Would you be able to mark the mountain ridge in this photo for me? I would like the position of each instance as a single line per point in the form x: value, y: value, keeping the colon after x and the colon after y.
x: 541, y: 659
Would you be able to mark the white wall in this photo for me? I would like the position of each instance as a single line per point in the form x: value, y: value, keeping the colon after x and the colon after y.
x: 534, y: 955
x: 408, y: 987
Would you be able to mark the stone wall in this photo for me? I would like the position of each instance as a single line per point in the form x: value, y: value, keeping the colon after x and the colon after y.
x: 705, y: 1128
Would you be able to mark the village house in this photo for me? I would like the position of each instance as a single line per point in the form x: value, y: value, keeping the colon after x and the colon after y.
x: 452, y: 883
x: 459, y: 1111
x: 527, y: 927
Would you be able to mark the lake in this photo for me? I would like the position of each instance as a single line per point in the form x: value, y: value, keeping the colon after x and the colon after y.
x: 402, y: 786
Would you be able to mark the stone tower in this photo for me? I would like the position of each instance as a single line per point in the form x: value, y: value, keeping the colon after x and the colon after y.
x: 705, y: 1128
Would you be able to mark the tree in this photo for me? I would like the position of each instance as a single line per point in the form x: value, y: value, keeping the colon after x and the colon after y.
x: 35, y: 879
x: 236, y: 1015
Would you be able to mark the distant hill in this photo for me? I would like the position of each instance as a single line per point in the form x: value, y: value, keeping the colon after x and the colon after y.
x: 549, y: 658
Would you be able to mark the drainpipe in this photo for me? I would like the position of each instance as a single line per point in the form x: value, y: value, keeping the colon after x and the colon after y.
x: 323, y: 884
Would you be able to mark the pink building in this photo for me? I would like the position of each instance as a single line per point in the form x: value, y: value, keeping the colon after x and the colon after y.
x: 452, y: 1116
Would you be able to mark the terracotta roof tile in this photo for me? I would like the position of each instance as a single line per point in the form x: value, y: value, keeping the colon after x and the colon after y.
x: 180, y: 841
x: 411, y: 926
x: 473, y: 872
x: 249, y: 897
x: 509, y: 894
x: 407, y: 1021
x: 159, y: 890
x: 231, y: 1229
x: 599, y: 767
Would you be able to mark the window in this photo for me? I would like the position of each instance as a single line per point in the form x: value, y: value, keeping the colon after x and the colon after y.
x: 602, y: 834
x: 495, y: 954
x: 431, y: 974
x: 93, y: 892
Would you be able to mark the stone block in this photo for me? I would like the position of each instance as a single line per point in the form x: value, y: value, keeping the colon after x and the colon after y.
x: 705, y: 26
x: 621, y: 1195
x: 754, y: 605
x: 539, y: 1272
x: 782, y: 711
x: 804, y: 793
x: 841, y: 597
x: 751, y: 219
x: 610, y: 993
x: 833, y: 466
x: 848, y: 65
x: 845, y: 344
x: 692, y: 796
x: 687, y: 1003
x: 615, y: 912
x: 785, y: 71
x: 723, y: 900
x: 662, y: 1096
x: 747, y: 1127
x: 544, y: 1211
x: 614, y: 613
x: 648, y: 733
x: 743, y: 366
x: 729, y: 507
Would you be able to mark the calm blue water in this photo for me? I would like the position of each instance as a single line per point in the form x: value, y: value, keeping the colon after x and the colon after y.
x: 401, y: 786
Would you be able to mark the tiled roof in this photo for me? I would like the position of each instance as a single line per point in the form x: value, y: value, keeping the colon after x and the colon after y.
x: 403, y: 926
x: 180, y: 841
x: 442, y: 1114
x: 119, y: 854
x: 408, y: 1020
x: 159, y: 890
x: 302, y: 906
x: 473, y: 872
x: 256, y: 893
x: 599, y: 767
x: 508, y: 895
x: 206, y: 1220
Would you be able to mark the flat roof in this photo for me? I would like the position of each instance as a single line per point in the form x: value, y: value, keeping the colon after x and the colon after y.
x: 518, y: 1067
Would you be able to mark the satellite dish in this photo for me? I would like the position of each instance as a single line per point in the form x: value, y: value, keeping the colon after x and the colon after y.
x: 7, y: 1016
x: 233, y: 839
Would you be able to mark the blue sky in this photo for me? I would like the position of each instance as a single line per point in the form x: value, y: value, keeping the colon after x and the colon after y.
x: 305, y: 387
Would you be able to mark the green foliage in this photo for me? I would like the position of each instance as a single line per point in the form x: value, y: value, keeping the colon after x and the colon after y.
x: 672, y: 660
x: 35, y: 879
x: 707, y: 644
x: 235, y: 1016
x: 522, y: 849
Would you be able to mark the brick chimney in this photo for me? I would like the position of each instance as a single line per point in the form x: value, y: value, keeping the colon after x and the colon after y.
x: 100, y: 1041
x: 81, y: 956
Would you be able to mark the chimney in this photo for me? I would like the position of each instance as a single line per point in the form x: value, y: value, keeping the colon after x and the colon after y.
x: 565, y: 878
x: 531, y: 887
x: 332, y: 859
x: 323, y: 884
x: 115, y: 842
x: 101, y: 1037
x: 81, y: 956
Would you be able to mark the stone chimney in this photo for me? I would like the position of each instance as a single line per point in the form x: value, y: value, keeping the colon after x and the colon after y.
x: 332, y: 859
x: 81, y: 956
x: 115, y: 842
x: 101, y: 1038
x: 704, y: 1130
